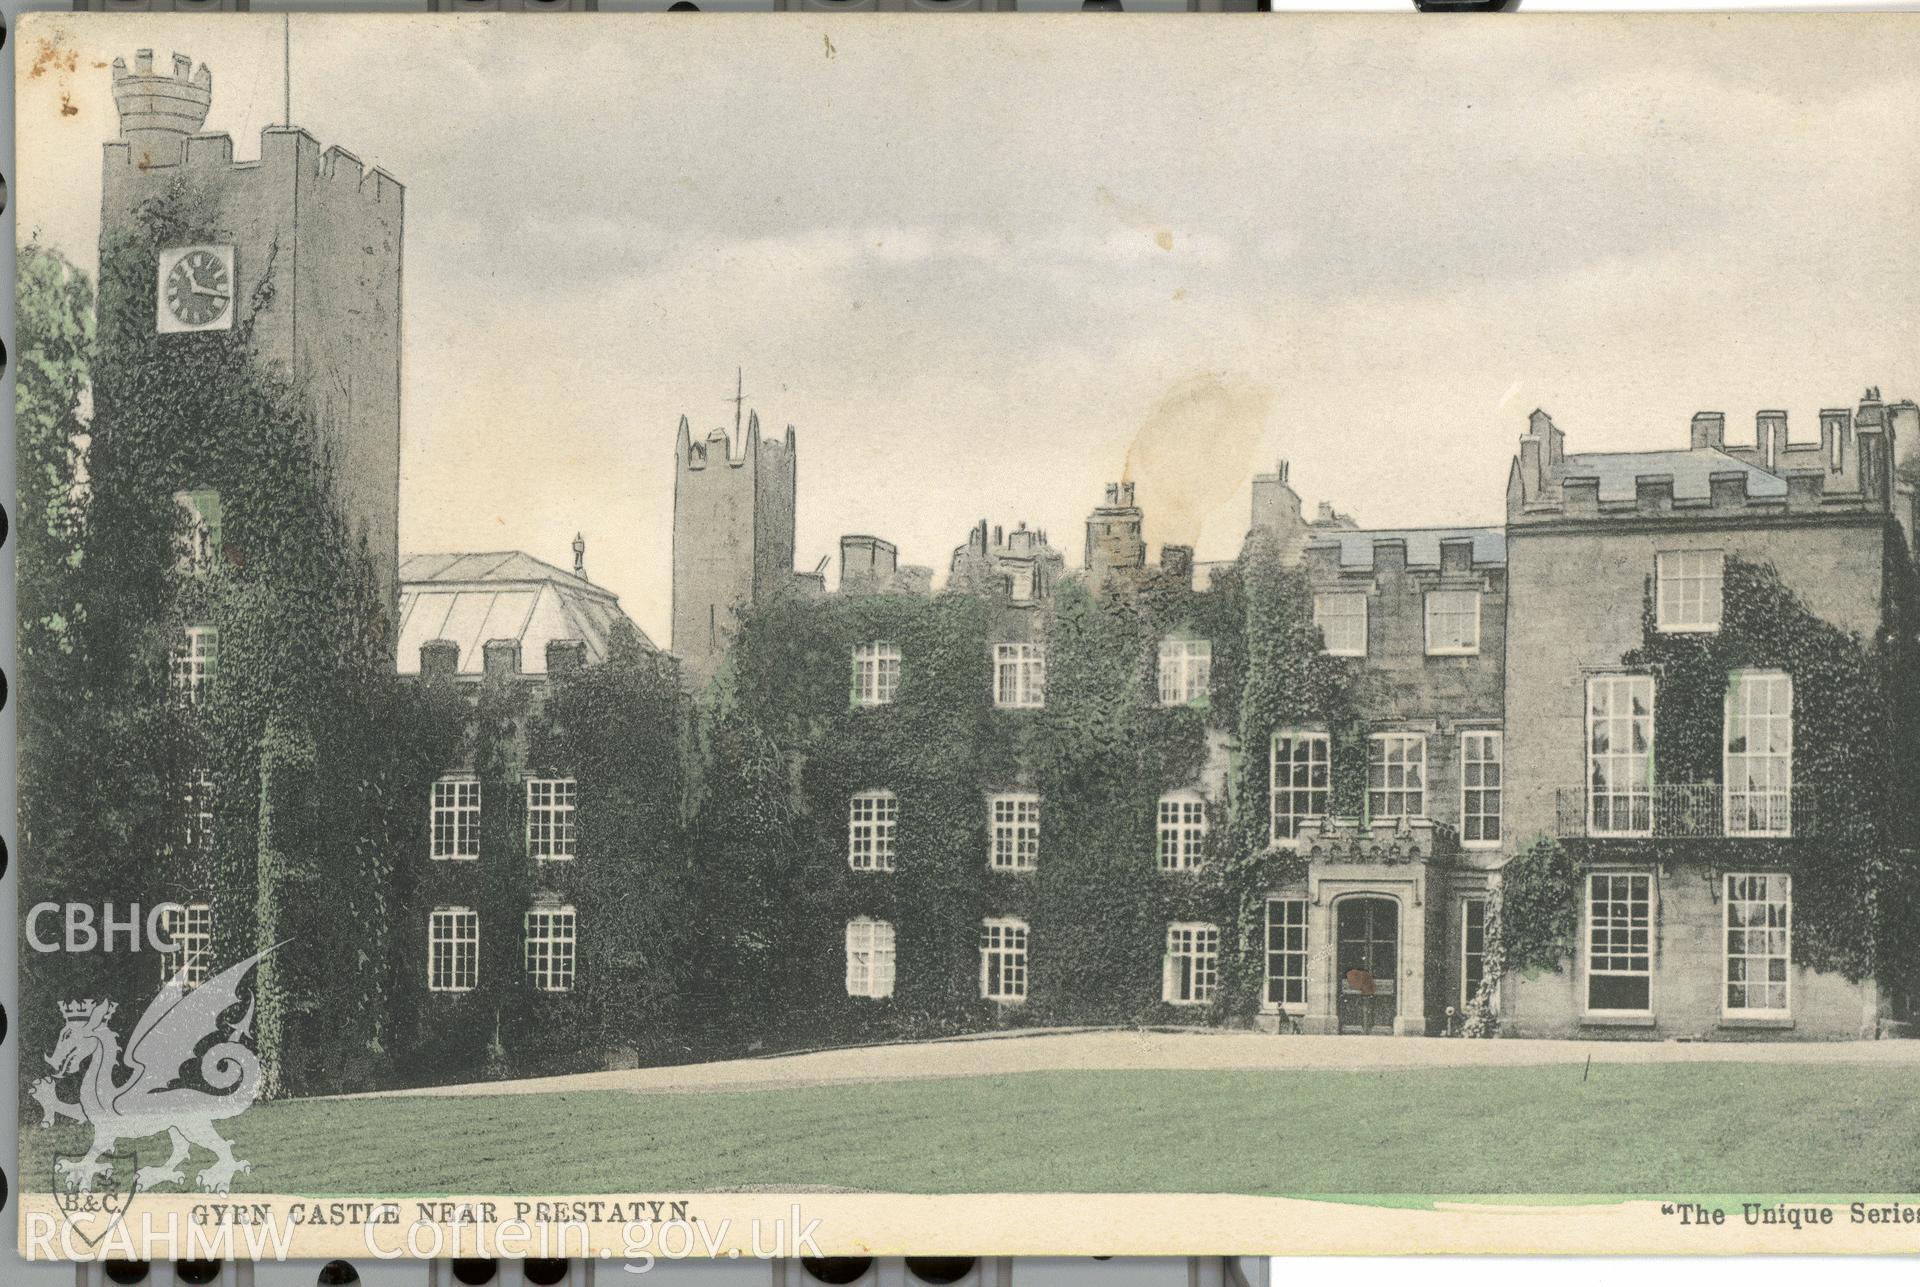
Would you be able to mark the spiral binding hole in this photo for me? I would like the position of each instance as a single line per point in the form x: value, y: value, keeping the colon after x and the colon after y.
x: 836, y: 1269
x: 544, y: 1273
x: 940, y: 1269
x: 196, y: 1271
x: 473, y: 1272
x: 338, y: 1273
x: 127, y: 1272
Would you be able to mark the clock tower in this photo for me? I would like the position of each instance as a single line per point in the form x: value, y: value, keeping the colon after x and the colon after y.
x: 302, y: 246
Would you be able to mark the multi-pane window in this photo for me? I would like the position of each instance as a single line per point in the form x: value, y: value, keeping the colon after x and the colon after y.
x: 1759, y: 943
x: 1192, y: 963
x: 194, y: 662
x: 1620, y: 755
x: 1397, y: 775
x: 1619, y: 942
x: 1003, y: 959
x: 1186, y: 670
x: 876, y: 673
x: 1453, y: 623
x: 869, y: 958
x: 549, y: 948
x: 1019, y: 674
x: 1758, y: 759
x: 1342, y: 618
x: 453, y: 949
x: 1480, y: 782
x: 1300, y: 778
x: 550, y: 832
x: 199, y: 808
x: 1286, y: 951
x: 1181, y: 830
x: 455, y: 815
x: 871, y: 817
x: 1473, y: 948
x: 190, y: 931
x: 1687, y: 589
x: 1014, y: 824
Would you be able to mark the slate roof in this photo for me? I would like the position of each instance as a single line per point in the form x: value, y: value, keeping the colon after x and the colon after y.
x: 1690, y: 471
x: 472, y: 598
x: 1423, y: 544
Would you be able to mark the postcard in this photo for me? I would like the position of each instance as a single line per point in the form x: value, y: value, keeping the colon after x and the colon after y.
x: 848, y: 635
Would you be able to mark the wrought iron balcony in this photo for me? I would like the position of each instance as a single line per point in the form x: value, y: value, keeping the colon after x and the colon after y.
x: 1684, y: 810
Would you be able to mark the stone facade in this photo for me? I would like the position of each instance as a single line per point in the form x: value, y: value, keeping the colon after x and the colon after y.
x: 733, y: 520
x: 324, y: 231
x: 1589, y: 539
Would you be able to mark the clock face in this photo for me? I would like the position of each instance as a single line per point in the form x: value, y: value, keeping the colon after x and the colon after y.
x: 196, y: 290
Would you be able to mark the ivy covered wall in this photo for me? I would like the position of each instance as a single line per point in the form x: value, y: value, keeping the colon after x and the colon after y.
x: 783, y: 749
x: 1855, y: 729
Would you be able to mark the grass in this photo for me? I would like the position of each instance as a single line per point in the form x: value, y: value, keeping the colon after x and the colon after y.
x: 1673, y: 1130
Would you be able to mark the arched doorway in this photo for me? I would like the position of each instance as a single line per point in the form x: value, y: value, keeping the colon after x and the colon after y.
x: 1367, y: 963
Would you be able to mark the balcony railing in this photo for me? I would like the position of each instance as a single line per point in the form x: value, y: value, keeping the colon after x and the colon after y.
x: 1683, y: 810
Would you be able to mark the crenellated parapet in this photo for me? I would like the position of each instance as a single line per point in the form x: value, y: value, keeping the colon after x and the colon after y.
x: 1849, y: 470
x: 160, y: 109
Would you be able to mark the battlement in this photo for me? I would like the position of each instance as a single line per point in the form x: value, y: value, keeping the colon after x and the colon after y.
x: 285, y: 152
x: 158, y: 110
x: 1447, y: 553
x: 717, y: 448
x: 1848, y: 470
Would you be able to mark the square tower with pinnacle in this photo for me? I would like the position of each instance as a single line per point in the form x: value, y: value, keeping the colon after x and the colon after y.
x: 315, y: 246
x: 733, y: 534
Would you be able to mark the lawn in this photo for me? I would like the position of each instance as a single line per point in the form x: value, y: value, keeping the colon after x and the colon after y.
x: 1670, y: 1129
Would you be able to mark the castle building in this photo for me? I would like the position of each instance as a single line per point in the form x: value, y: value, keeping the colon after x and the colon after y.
x: 1383, y: 933
x: 1694, y: 798
x: 733, y: 535
x: 302, y: 246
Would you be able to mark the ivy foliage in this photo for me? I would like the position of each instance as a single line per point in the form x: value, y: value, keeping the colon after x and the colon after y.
x: 1852, y: 701
x: 1856, y: 897
x: 294, y: 727
x: 782, y: 750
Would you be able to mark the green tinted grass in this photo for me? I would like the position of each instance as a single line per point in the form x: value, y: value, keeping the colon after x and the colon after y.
x: 1673, y: 1130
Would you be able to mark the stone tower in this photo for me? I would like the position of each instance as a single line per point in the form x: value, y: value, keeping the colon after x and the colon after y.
x: 1116, y: 546
x: 732, y: 535
x: 323, y: 230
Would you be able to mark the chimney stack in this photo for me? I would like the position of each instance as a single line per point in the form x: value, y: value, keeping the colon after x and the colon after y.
x: 439, y: 659
x: 1770, y: 436
x: 500, y: 658
x: 580, y: 556
x: 564, y: 655
x: 1709, y: 431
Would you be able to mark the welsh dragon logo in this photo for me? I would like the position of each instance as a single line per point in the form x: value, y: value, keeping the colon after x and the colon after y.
x: 150, y: 1099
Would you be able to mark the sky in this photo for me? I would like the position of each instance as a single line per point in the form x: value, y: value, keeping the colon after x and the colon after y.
x: 985, y: 266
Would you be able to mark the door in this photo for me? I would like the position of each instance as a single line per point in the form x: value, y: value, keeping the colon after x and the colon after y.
x: 1368, y: 960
